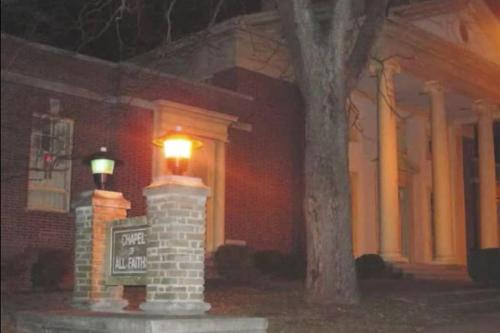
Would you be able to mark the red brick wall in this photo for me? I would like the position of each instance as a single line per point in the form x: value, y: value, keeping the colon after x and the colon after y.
x: 95, y: 123
x: 264, y: 167
x: 125, y: 129
x: 133, y: 144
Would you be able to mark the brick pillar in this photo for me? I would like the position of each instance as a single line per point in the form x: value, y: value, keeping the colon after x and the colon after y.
x: 94, y: 210
x: 175, y: 276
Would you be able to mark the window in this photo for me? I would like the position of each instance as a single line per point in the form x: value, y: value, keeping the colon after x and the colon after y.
x: 50, y: 163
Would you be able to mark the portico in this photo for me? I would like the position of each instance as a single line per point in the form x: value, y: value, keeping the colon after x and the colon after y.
x: 428, y: 93
x: 436, y: 115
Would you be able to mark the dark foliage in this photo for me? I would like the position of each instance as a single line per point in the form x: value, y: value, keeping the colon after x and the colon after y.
x: 235, y: 263
x: 48, y: 271
x: 484, y: 265
x: 274, y: 263
x: 370, y: 266
x: 16, y: 269
x: 269, y: 262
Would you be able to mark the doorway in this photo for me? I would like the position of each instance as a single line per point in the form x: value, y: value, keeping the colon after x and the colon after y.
x: 471, y: 194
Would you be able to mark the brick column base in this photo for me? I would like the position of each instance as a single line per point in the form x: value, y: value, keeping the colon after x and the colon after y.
x: 94, y: 210
x: 175, y: 274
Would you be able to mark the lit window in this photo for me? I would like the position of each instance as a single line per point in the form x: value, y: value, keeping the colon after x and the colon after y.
x: 50, y: 163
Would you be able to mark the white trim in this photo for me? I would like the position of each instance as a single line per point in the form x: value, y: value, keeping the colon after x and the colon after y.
x: 237, y: 242
x: 184, y: 80
x: 35, y: 188
x: 135, y: 101
x: 50, y: 85
x: 58, y: 51
x: 242, y: 126
x: 126, y: 65
x: 212, y: 116
x: 46, y: 209
x: 72, y: 90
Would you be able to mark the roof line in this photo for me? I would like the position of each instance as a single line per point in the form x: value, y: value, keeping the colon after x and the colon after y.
x: 117, y: 65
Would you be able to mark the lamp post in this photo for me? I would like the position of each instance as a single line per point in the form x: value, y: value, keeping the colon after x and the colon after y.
x: 102, y: 165
x: 177, y: 149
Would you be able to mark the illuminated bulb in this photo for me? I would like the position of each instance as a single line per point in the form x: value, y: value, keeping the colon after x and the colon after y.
x: 177, y: 147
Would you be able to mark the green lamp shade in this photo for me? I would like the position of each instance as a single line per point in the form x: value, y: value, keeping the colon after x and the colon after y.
x: 102, y: 165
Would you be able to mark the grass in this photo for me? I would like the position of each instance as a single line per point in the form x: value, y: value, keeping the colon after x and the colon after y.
x: 287, y: 311
x: 394, y: 306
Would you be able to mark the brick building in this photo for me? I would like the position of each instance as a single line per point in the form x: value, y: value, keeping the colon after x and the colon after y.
x: 85, y: 103
x: 426, y: 123
x: 425, y: 119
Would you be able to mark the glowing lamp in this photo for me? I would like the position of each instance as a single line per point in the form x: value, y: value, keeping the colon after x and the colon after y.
x: 102, y: 165
x: 177, y: 149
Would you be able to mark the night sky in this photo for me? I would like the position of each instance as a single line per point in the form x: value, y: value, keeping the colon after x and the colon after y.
x: 143, y: 27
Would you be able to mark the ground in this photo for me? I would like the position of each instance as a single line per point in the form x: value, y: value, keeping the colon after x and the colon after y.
x: 386, y: 306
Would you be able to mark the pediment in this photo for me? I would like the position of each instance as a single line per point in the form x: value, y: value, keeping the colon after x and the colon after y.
x: 469, y: 25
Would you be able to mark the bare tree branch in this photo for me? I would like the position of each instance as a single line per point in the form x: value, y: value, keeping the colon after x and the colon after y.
x: 298, y: 24
x: 216, y: 13
x: 168, y: 18
x: 374, y: 19
x: 341, y: 12
x: 86, y: 15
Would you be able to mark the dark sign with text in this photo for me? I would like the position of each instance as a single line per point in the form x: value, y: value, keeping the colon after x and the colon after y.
x: 128, y: 250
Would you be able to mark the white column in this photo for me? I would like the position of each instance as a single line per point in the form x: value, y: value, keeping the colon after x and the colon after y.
x: 220, y: 190
x: 390, y: 224
x: 440, y: 175
x: 487, y: 179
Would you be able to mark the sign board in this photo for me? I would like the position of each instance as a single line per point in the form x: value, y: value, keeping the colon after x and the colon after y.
x: 128, y: 250
x: 127, y: 253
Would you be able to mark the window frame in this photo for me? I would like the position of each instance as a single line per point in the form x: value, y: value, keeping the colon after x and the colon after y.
x: 33, y: 187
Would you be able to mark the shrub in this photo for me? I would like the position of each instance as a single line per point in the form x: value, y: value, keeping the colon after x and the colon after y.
x: 48, y: 271
x: 295, y: 266
x: 15, y: 271
x: 270, y: 262
x: 291, y: 266
x: 235, y: 262
x: 484, y: 265
x: 370, y: 266
x: 14, y: 267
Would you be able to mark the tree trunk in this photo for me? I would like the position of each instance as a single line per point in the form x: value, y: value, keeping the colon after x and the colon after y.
x: 326, y: 70
x: 331, y: 276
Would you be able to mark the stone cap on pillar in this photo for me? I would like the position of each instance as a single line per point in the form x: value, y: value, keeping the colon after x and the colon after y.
x: 432, y: 87
x: 100, y: 198
x: 389, y: 66
x: 177, y: 184
x: 483, y: 106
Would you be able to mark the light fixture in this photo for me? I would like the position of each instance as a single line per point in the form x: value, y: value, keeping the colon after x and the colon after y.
x: 102, y: 165
x: 177, y: 149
